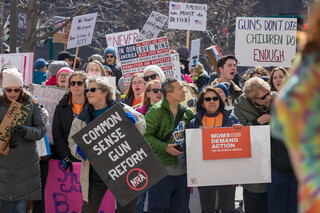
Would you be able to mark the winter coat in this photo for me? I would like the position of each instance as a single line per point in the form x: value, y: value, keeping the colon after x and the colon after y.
x: 39, y: 77
x: 116, y: 71
x: 61, y: 125
x: 202, y: 81
x: 85, y: 117
x: 143, y: 109
x: 160, y: 123
x: 227, y: 121
x: 20, y: 170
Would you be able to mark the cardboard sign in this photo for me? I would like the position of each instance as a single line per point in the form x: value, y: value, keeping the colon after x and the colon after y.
x: 214, y: 55
x: 120, y: 155
x: 49, y: 98
x: 135, y: 57
x: 62, y: 35
x: 15, y: 116
x: 81, y: 32
x: 176, y: 65
x: 194, y: 55
x: 256, y: 169
x: 265, y: 41
x: 22, y: 61
x: 186, y: 16
x: 152, y: 26
x: 226, y: 143
x: 63, y: 190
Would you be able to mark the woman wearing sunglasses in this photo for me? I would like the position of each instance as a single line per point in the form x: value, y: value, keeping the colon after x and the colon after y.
x: 20, y: 170
x: 211, y: 113
x: 100, y: 95
x: 253, y: 108
x: 153, y: 72
x: 135, y: 92
x: 110, y: 56
x: 66, y: 111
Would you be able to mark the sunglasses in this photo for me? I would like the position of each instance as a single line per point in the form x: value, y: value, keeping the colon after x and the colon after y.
x: 213, y: 98
x: 153, y: 76
x: 264, y: 97
x: 156, y: 90
x: 109, y: 72
x: 74, y: 83
x: 14, y: 90
x: 109, y: 56
x: 64, y: 75
x: 91, y: 90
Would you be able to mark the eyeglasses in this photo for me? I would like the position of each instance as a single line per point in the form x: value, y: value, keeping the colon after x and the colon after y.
x: 74, y: 83
x: 213, y: 98
x: 64, y: 75
x: 109, y: 72
x: 264, y: 97
x: 91, y: 90
x: 137, y: 82
x: 14, y: 90
x: 153, y: 76
x: 156, y: 90
x: 109, y: 56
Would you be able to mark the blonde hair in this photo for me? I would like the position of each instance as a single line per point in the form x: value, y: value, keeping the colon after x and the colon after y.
x: 253, y: 86
x: 103, y: 71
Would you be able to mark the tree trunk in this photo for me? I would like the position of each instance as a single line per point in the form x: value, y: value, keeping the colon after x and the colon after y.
x: 30, y: 42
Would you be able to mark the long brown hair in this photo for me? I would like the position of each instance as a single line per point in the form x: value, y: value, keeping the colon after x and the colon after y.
x: 130, y: 91
x: 145, y: 98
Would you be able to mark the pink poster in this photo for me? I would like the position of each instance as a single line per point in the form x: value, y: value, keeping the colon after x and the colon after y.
x: 63, y: 191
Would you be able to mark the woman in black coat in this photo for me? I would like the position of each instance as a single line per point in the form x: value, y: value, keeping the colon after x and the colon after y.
x: 68, y: 109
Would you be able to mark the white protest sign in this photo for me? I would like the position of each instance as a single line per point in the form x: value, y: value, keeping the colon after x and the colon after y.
x: 22, y: 61
x: 152, y: 26
x: 81, y: 32
x: 265, y: 41
x: 229, y: 171
x: 176, y: 66
x: 135, y: 57
x: 194, y: 54
x: 186, y: 16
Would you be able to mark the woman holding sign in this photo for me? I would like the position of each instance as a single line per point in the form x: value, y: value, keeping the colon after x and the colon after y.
x: 211, y: 113
x: 101, y: 97
x: 19, y: 170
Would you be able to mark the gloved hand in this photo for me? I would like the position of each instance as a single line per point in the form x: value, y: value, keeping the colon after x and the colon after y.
x: 131, y: 117
x: 67, y: 163
x: 192, y: 102
x: 81, y: 153
x: 20, y: 131
x: 13, y: 141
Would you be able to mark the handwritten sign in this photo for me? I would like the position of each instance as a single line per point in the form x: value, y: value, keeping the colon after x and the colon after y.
x: 120, y: 155
x: 135, y: 57
x: 63, y: 190
x: 186, y: 16
x: 22, y: 61
x: 152, y: 26
x: 229, y: 171
x: 226, y: 143
x: 81, y: 32
x: 15, y: 116
x: 265, y: 41
x: 49, y: 98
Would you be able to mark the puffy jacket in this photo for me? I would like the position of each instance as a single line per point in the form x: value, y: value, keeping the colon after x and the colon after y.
x: 202, y: 80
x: 85, y: 117
x: 20, y: 170
x: 143, y: 109
x: 160, y: 123
x: 227, y: 121
x: 61, y: 125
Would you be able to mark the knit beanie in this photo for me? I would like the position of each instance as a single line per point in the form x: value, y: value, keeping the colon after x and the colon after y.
x: 12, y: 78
x: 156, y: 69
x: 111, y: 50
x: 96, y: 57
x: 199, y: 69
x: 54, y: 67
x: 184, y: 52
x: 223, y: 87
x: 121, y: 85
x: 66, y: 69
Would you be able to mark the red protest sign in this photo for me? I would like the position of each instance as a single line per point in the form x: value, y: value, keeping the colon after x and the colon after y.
x: 226, y: 143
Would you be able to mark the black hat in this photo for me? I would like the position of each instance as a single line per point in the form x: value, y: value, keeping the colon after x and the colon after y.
x: 64, y: 54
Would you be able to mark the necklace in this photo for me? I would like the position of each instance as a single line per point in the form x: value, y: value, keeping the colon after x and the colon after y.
x: 76, y: 102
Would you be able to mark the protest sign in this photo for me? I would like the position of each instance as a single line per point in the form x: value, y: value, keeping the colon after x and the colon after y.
x: 176, y: 65
x: 49, y: 98
x: 15, y: 116
x: 135, y: 57
x: 82, y: 30
x: 195, y: 51
x: 214, y: 55
x: 63, y: 190
x: 22, y: 61
x: 186, y: 16
x: 62, y: 35
x: 226, y: 143
x: 152, y: 26
x: 120, y: 155
x: 43, y: 147
x: 265, y: 41
x: 229, y: 171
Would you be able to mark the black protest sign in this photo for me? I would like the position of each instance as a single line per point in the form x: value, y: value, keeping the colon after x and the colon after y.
x: 120, y: 154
